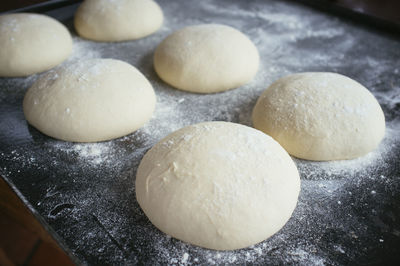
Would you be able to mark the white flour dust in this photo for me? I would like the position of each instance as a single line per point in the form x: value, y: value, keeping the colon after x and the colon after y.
x: 290, y: 39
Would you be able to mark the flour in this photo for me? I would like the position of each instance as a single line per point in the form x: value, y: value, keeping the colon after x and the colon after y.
x: 351, y: 168
x: 345, y: 208
x: 81, y: 49
x: 94, y: 153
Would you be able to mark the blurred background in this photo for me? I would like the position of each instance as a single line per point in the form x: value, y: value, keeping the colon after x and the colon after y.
x: 387, y: 10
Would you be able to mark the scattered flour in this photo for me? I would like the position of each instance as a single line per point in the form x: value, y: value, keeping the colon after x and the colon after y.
x: 93, y: 153
x: 100, y: 218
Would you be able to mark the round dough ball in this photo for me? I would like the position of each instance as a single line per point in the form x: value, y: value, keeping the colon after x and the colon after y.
x: 206, y: 58
x: 117, y: 20
x: 91, y: 100
x: 31, y: 43
x: 320, y: 116
x: 218, y: 185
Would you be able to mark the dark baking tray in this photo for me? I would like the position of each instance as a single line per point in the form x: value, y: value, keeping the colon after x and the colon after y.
x: 348, y: 211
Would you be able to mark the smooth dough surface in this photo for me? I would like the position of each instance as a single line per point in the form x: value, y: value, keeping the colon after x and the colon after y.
x: 218, y: 185
x: 206, y: 58
x: 88, y: 101
x: 117, y: 20
x: 31, y: 43
x: 320, y: 116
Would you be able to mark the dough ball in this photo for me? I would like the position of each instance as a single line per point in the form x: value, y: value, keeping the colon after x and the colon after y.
x: 31, y: 43
x: 117, y: 20
x: 206, y: 58
x: 320, y: 116
x: 91, y: 100
x: 218, y: 185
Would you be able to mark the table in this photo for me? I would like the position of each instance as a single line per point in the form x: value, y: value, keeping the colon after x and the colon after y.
x: 348, y: 211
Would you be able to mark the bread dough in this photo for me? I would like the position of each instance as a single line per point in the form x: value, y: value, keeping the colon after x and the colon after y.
x: 218, y: 185
x: 206, y: 58
x: 91, y: 100
x: 117, y: 20
x: 320, y: 116
x: 31, y: 43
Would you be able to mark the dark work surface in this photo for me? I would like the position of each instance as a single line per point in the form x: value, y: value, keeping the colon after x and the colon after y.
x: 382, y: 15
x: 383, y: 9
x: 34, y: 5
x: 348, y: 211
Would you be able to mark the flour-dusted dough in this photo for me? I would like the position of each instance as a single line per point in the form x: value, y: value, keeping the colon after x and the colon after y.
x: 320, y: 116
x: 92, y: 100
x: 218, y: 185
x: 31, y: 43
x: 206, y: 58
x: 117, y: 20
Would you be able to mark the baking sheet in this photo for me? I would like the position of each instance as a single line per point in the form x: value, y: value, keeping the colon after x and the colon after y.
x: 348, y: 211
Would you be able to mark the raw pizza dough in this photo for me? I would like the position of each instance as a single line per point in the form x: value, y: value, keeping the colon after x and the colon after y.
x: 31, y: 43
x: 117, y: 20
x: 91, y: 100
x: 320, y: 116
x: 218, y: 185
x: 206, y: 58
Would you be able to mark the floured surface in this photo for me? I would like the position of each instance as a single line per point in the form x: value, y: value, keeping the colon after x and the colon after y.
x: 348, y: 211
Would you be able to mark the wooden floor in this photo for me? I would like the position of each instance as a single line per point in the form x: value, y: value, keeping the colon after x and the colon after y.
x: 23, y: 240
